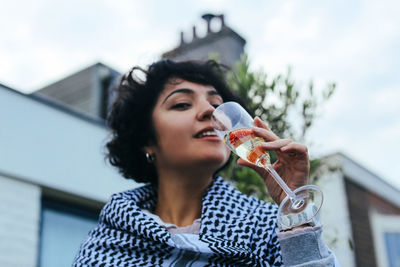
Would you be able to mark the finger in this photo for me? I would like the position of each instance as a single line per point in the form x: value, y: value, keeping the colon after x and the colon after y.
x: 275, y: 145
x: 265, y: 134
x: 294, y: 150
x: 265, y: 175
x: 259, y: 123
x: 294, y: 147
x: 242, y: 162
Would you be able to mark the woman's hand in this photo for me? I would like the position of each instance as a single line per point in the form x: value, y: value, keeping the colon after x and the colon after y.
x: 292, y: 163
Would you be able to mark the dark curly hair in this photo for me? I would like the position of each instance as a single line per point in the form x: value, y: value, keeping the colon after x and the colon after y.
x: 130, y: 117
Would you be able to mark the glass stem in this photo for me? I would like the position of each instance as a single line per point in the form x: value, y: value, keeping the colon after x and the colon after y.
x: 281, y: 183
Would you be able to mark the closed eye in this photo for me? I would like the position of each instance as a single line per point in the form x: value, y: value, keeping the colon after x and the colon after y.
x: 181, y: 106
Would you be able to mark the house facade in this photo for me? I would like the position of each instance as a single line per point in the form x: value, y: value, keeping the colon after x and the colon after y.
x: 53, y: 179
x: 361, y: 214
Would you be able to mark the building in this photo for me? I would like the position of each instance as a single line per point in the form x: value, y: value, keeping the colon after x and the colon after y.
x: 53, y: 179
x: 361, y: 214
x: 223, y: 43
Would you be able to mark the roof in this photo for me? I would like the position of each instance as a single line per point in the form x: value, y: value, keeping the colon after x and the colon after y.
x: 95, y: 65
x: 360, y: 175
x: 57, y: 105
x: 209, y: 38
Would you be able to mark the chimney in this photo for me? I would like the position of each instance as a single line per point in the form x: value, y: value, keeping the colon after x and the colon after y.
x: 221, y: 17
x: 182, y: 40
x: 208, y: 17
x: 194, y: 32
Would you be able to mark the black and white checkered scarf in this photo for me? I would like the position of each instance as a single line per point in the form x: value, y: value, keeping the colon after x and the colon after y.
x: 239, y: 230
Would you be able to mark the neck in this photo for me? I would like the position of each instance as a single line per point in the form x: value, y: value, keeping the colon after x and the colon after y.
x: 180, y: 196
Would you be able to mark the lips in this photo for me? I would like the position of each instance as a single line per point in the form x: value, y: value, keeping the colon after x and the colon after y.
x: 205, y: 133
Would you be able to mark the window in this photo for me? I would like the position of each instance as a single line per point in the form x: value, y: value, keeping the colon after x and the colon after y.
x: 63, y: 229
x: 386, y: 232
x: 392, y: 243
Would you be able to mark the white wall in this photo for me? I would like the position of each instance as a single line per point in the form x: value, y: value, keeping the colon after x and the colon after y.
x: 335, y: 216
x: 49, y: 147
x: 19, y: 223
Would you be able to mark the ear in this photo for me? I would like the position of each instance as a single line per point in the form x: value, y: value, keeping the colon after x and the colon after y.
x: 150, y: 155
x: 149, y: 149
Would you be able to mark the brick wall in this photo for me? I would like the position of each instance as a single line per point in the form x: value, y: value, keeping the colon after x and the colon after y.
x: 19, y: 223
x: 359, y: 204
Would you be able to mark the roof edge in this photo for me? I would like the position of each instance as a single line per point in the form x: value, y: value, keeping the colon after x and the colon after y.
x: 57, y: 105
x: 360, y: 175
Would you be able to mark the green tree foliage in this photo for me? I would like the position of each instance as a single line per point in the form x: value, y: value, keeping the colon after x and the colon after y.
x: 288, y: 108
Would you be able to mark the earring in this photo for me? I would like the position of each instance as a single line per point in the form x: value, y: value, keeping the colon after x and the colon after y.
x: 150, y: 157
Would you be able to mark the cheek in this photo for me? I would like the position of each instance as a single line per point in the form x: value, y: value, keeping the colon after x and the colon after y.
x: 170, y: 134
x: 227, y: 153
x: 222, y: 154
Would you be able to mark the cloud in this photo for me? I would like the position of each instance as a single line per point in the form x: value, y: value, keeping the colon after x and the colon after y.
x: 285, y: 29
x: 310, y: 39
x: 356, y: 50
x: 386, y: 101
x: 54, y: 38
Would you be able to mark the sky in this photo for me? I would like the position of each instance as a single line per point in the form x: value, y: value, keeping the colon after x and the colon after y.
x: 352, y: 43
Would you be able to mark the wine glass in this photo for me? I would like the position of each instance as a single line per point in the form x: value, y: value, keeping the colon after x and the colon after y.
x: 233, y: 125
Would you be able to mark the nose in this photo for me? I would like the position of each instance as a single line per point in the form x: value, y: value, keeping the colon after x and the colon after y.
x: 205, y: 112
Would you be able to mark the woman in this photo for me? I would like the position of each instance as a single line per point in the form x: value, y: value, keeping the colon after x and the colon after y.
x: 187, y: 215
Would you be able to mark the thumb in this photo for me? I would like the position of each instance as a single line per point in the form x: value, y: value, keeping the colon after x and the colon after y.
x: 242, y: 162
x: 245, y: 163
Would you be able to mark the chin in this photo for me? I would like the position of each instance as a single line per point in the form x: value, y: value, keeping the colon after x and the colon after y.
x: 216, y: 160
x: 211, y: 159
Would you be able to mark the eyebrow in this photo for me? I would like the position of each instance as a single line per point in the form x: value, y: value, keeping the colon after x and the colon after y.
x: 189, y: 91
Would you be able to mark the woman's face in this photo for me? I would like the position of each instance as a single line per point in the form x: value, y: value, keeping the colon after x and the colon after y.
x: 185, y: 138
